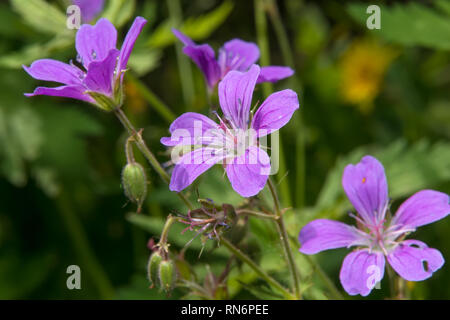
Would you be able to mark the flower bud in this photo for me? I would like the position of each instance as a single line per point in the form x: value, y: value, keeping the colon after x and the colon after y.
x: 134, y: 182
x: 167, y: 275
x: 153, y: 268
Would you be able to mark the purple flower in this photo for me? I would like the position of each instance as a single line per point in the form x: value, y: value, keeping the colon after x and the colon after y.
x: 235, y: 54
x: 98, y: 79
x: 234, y: 140
x: 378, y: 236
x: 89, y: 8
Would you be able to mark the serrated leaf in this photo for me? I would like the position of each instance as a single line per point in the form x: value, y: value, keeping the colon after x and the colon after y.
x: 41, y: 15
x: 410, y: 24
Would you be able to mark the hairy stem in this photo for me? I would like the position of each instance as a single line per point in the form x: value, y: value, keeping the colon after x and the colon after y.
x: 244, y: 258
x: 146, y: 151
x: 284, y: 238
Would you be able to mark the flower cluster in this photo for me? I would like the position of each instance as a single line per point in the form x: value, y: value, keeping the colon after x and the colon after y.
x: 234, y: 141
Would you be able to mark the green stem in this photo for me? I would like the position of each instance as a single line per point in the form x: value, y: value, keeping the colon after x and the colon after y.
x: 244, y: 258
x: 146, y: 151
x: 263, y: 43
x: 153, y: 100
x: 187, y: 83
x: 326, y: 280
x: 284, y: 238
x: 81, y: 244
x: 286, y: 51
x: 256, y: 214
x: 129, y: 150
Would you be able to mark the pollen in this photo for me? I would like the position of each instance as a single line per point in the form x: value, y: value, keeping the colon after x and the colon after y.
x: 364, y: 180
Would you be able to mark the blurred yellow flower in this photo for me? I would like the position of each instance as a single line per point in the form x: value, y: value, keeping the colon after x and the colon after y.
x: 362, y: 68
x: 135, y: 102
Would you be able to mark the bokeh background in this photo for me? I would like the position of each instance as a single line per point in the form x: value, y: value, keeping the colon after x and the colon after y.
x: 381, y: 92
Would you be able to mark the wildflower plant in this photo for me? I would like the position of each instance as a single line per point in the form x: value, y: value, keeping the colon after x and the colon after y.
x: 234, y: 138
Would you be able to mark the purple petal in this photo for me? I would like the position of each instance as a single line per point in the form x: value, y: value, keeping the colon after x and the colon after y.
x: 235, y: 95
x: 129, y: 42
x: 183, y: 38
x: 95, y: 42
x: 237, y: 55
x: 89, y: 8
x: 275, y: 112
x: 324, y: 234
x: 361, y: 271
x: 189, y: 129
x: 422, y: 208
x: 414, y: 261
x: 100, y: 74
x: 192, y: 165
x: 53, y: 70
x: 75, y: 92
x: 366, y: 187
x: 248, y: 173
x: 274, y: 73
x: 204, y: 57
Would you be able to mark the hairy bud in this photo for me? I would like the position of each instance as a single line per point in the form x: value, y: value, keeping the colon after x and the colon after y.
x: 134, y: 182
x: 167, y: 275
x: 153, y: 268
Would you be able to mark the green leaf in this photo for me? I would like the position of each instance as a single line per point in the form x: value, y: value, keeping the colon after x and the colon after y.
x: 144, y: 60
x: 119, y: 11
x: 41, y: 15
x: 197, y: 28
x: 410, y: 24
x: 36, y: 51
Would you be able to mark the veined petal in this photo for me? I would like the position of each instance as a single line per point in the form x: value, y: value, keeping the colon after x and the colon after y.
x: 129, y: 42
x: 274, y: 73
x: 248, y: 173
x: 53, y: 70
x: 74, y: 92
x: 204, y: 57
x: 100, y: 74
x: 366, y: 187
x: 235, y: 95
x: 275, y: 112
x: 324, y: 234
x: 361, y: 271
x: 414, y: 261
x: 95, y: 42
x: 189, y: 129
x: 237, y: 55
x: 422, y: 208
x: 192, y: 165
x: 89, y: 8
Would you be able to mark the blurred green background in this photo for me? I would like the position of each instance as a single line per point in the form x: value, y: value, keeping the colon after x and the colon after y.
x: 381, y: 92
